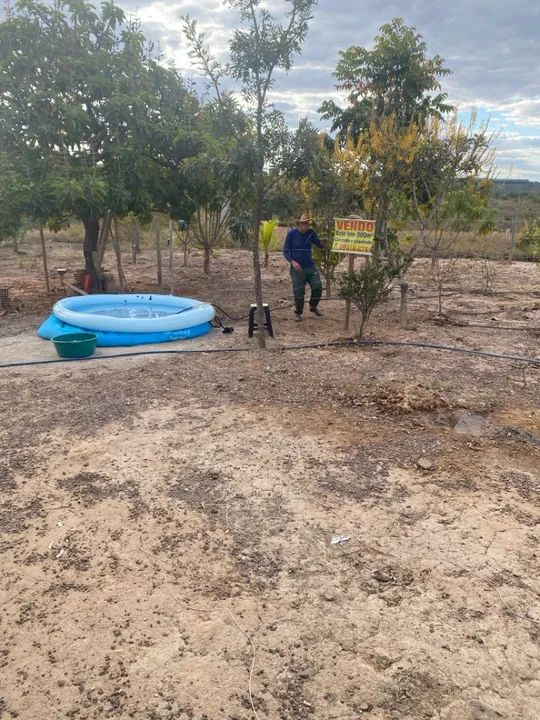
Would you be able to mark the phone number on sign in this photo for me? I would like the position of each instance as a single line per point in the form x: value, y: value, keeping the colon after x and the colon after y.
x: 352, y: 247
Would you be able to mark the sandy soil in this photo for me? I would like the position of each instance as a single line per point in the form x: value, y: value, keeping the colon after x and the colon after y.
x: 167, y: 523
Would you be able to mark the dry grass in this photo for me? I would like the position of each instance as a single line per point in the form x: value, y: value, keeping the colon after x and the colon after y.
x: 468, y: 244
x: 495, y: 245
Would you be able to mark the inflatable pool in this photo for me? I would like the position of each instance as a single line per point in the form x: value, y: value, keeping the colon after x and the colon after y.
x: 129, y: 319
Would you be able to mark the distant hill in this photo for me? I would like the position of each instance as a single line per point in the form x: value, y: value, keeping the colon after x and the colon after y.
x: 516, y: 201
x: 513, y: 188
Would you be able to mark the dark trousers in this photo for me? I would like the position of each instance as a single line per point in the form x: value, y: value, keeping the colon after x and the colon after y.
x: 299, y: 279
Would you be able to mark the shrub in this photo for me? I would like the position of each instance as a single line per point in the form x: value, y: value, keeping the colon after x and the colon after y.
x: 370, y: 285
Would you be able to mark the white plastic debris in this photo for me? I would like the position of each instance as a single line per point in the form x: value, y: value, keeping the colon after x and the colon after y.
x: 337, y: 539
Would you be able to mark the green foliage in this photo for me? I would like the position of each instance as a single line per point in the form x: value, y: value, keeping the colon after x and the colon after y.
x: 258, y: 47
x: 396, y: 78
x: 449, y: 188
x: 240, y: 223
x: 529, y: 238
x: 261, y: 45
x: 266, y: 233
x: 11, y: 207
x: 370, y: 285
x: 84, y: 196
x: 327, y: 260
x: 215, y: 179
x: 284, y: 199
x: 89, y: 121
x: 508, y: 188
x: 330, y: 182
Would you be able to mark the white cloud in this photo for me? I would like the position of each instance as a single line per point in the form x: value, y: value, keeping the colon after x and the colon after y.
x: 492, y: 47
x: 524, y: 112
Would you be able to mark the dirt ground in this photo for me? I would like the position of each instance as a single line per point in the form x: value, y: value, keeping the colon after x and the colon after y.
x: 314, y: 534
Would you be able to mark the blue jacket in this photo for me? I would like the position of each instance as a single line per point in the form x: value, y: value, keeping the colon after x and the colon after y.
x: 298, y: 247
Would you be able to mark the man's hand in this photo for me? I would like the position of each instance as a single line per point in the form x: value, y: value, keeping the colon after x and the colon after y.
x: 296, y: 265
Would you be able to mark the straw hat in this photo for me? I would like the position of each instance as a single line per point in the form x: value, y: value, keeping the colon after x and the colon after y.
x: 303, y: 218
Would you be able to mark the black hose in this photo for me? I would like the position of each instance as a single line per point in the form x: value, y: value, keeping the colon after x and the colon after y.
x: 452, y: 348
x: 234, y: 318
x: 332, y: 343
x: 119, y: 355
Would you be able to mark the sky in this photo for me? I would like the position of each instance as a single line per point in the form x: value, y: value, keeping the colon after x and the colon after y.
x: 491, y: 46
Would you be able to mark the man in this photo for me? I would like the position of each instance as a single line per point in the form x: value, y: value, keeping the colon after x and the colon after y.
x: 297, y: 250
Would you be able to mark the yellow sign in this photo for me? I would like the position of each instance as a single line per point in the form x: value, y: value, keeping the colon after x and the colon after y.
x: 353, y: 235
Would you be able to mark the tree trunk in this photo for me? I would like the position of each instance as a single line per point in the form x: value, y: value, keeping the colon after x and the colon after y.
x: 404, y: 303
x: 327, y: 251
x: 348, y: 301
x: 104, y: 237
x: 257, y: 277
x: 171, y: 256
x: 15, y: 241
x: 133, y: 242
x: 157, y: 229
x: 206, y: 264
x: 91, y: 237
x: 44, y: 256
x: 381, y: 236
x: 137, y: 237
x: 185, y: 241
x: 266, y: 258
x: 116, y: 245
x: 363, y: 320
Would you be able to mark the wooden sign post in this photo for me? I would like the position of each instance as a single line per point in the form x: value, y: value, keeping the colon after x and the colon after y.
x: 348, y: 301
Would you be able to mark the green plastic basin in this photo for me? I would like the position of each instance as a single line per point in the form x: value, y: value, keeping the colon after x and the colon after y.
x: 75, y: 345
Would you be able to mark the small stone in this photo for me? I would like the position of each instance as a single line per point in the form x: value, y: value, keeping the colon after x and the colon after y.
x: 372, y: 586
x: 382, y: 576
x: 424, y: 463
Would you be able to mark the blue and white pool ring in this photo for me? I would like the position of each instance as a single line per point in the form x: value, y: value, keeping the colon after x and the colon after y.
x: 130, y: 319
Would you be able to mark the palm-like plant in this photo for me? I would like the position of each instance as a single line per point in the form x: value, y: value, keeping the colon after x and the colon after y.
x: 266, y: 234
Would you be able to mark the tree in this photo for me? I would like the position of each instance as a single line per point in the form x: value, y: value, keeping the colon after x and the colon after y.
x: 393, y: 90
x: 11, y: 208
x: 213, y: 184
x: 396, y: 78
x: 449, y: 184
x: 370, y: 285
x: 257, y: 48
x: 381, y: 160
x: 406, y: 155
x: 300, y: 157
x: 89, y: 120
x: 383, y: 155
